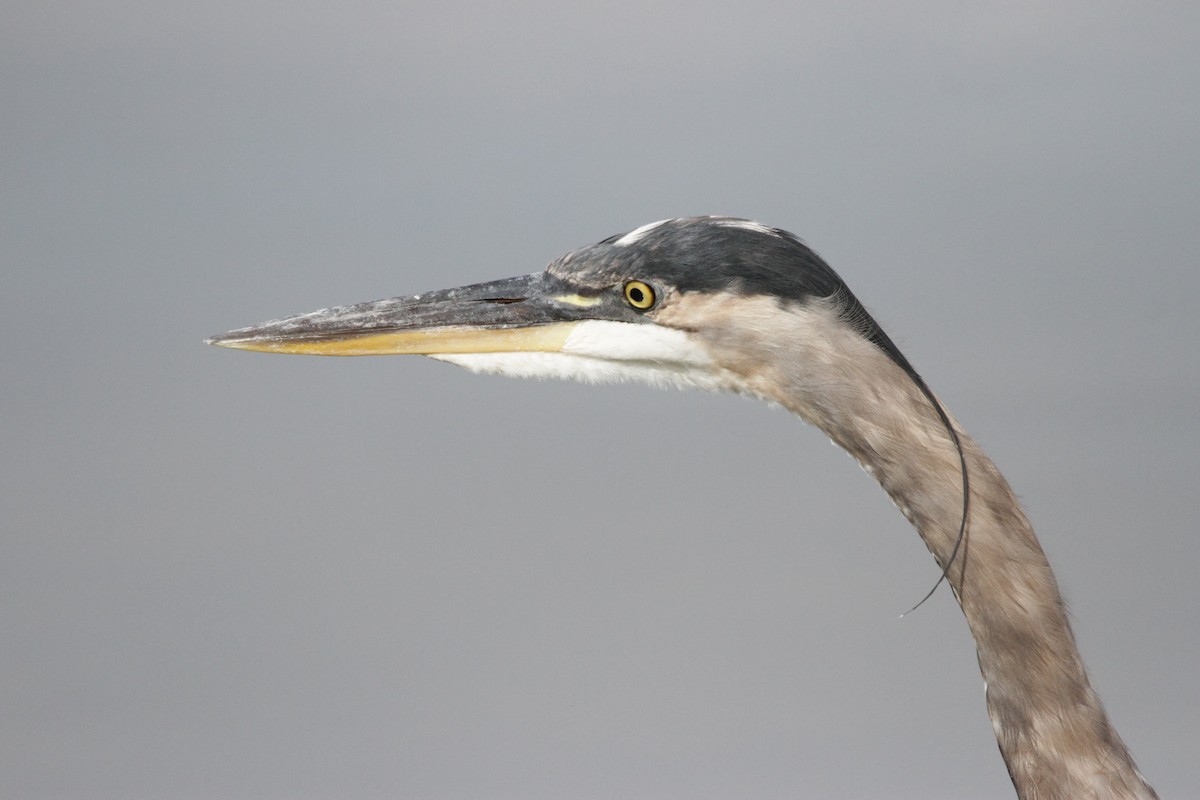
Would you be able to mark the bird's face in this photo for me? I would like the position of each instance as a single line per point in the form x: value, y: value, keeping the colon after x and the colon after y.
x: 642, y: 306
x: 541, y: 325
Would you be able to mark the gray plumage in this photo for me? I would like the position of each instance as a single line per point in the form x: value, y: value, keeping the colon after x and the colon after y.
x: 728, y: 304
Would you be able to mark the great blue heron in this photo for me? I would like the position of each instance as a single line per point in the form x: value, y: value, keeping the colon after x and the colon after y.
x: 729, y: 304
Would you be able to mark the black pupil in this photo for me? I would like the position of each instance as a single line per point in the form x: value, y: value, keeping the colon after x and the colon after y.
x: 636, y: 295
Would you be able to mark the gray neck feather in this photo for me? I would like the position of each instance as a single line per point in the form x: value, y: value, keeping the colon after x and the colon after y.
x: 1052, y: 730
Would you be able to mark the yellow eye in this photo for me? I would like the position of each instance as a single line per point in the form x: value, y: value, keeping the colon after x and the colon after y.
x: 639, y: 295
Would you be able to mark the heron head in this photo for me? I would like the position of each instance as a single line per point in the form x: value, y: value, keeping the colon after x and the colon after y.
x: 694, y: 302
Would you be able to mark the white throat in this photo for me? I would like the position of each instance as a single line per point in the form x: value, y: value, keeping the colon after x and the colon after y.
x: 599, y: 351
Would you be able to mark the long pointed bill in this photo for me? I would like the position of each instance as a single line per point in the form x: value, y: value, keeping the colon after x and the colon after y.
x: 532, y: 313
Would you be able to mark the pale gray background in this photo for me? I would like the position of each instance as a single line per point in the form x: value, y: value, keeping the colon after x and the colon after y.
x: 230, y: 575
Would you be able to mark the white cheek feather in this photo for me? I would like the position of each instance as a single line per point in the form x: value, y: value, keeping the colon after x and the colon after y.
x: 625, y: 341
x: 607, y: 352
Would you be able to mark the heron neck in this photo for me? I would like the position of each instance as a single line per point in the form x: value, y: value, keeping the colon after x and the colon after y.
x: 1051, y: 727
